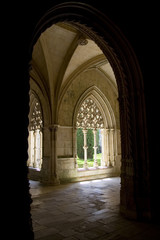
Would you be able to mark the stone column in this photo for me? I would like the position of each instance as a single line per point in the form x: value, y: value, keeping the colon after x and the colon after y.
x: 32, y: 148
x: 35, y: 148
x: 29, y: 162
x: 47, y: 158
x: 102, y: 158
x: 75, y: 146
x: 49, y: 165
x: 108, y: 148
x: 54, y: 154
x: 41, y: 147
x: 112, y: 156
x: 85, y: 147
x: 95, y: 149
x: 115, y: 143
x: 38, y: 146
x: 104, y: 148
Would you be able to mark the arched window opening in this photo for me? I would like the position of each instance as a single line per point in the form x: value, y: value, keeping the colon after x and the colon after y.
x: 90, y: 150
x: 93, y: 144
x: 89, y: 115
x: 129, y: 81
x: 35, y: 135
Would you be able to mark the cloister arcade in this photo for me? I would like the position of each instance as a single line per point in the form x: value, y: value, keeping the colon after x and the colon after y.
x: 88, y: 99
x: 95, y: 113
x: 72, y: 59
x: 35, y: 138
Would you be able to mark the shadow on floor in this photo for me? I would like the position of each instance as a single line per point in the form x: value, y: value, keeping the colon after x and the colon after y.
x: 84, y: 210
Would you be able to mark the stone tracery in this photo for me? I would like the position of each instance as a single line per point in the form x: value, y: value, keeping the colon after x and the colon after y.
x: 36, y: 118
x: 89, y: 115
x: 35, y: 136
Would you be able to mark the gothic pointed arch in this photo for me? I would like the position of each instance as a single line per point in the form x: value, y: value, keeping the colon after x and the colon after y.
x: 41, y: 93
x: 35, y: 114
x: 38, y: 94
x: 35, y: 132
x: 102, y: 104
x: 129, y: 79
x: 94, y: 112
x: 89, y: 115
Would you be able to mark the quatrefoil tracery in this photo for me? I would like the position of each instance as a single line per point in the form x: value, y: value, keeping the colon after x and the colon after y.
x: 89, y: 115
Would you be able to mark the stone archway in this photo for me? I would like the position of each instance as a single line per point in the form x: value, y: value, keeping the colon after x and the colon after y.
x: 131, y: 97
x: 86, y: 117
x: 35, y: 133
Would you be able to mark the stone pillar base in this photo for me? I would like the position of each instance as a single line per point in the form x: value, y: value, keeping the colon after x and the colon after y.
x: 53, y: 181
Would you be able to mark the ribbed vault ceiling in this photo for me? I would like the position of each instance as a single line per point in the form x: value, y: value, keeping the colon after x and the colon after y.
x: 61, y: 53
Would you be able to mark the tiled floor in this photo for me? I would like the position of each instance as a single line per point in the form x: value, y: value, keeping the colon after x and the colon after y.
x: 85, y: 210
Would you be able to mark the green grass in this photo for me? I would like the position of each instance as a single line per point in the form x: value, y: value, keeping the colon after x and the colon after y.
x: 89, y: 161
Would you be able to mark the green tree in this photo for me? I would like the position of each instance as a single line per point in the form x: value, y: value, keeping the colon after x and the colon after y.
x: 90, y: 144
x: 98, y: 141
x: 80, y: 143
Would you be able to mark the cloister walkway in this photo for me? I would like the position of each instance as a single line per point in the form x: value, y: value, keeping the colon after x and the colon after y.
x: 84, y: 210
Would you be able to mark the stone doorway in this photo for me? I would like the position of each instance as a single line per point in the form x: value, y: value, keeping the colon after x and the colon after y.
x: 129, y: 81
